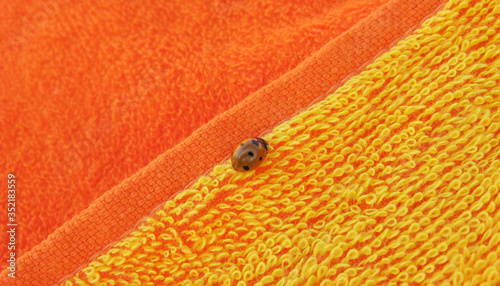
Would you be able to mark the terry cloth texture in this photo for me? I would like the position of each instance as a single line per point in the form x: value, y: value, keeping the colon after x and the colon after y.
x: 91, y: 91
x: 393, y: 178
x: 429, y: 110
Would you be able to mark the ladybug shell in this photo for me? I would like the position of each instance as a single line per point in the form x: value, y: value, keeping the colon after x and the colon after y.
x: 249, y: 154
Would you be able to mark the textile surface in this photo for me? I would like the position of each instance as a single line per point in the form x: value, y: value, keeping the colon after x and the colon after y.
x: 391, y: 178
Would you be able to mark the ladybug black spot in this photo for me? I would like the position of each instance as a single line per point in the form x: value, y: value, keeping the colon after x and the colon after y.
x: 255, y: 142
x: 250, y: 153
x: 260, y: 158
x: 246, y: 168
x: 242, y: 144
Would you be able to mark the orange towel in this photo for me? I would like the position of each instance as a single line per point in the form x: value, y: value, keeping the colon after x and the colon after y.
x: 98, y: 90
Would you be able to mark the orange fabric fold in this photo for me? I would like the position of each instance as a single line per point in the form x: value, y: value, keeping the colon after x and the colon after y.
x: 119, y: 209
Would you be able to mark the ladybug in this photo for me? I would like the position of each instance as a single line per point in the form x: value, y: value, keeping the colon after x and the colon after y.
x: 249, y: 154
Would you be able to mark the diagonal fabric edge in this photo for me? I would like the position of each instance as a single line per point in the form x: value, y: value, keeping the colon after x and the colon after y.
x: 118, y: 210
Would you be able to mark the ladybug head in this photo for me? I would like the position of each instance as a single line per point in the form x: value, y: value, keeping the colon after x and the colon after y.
x: 263, y: 142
